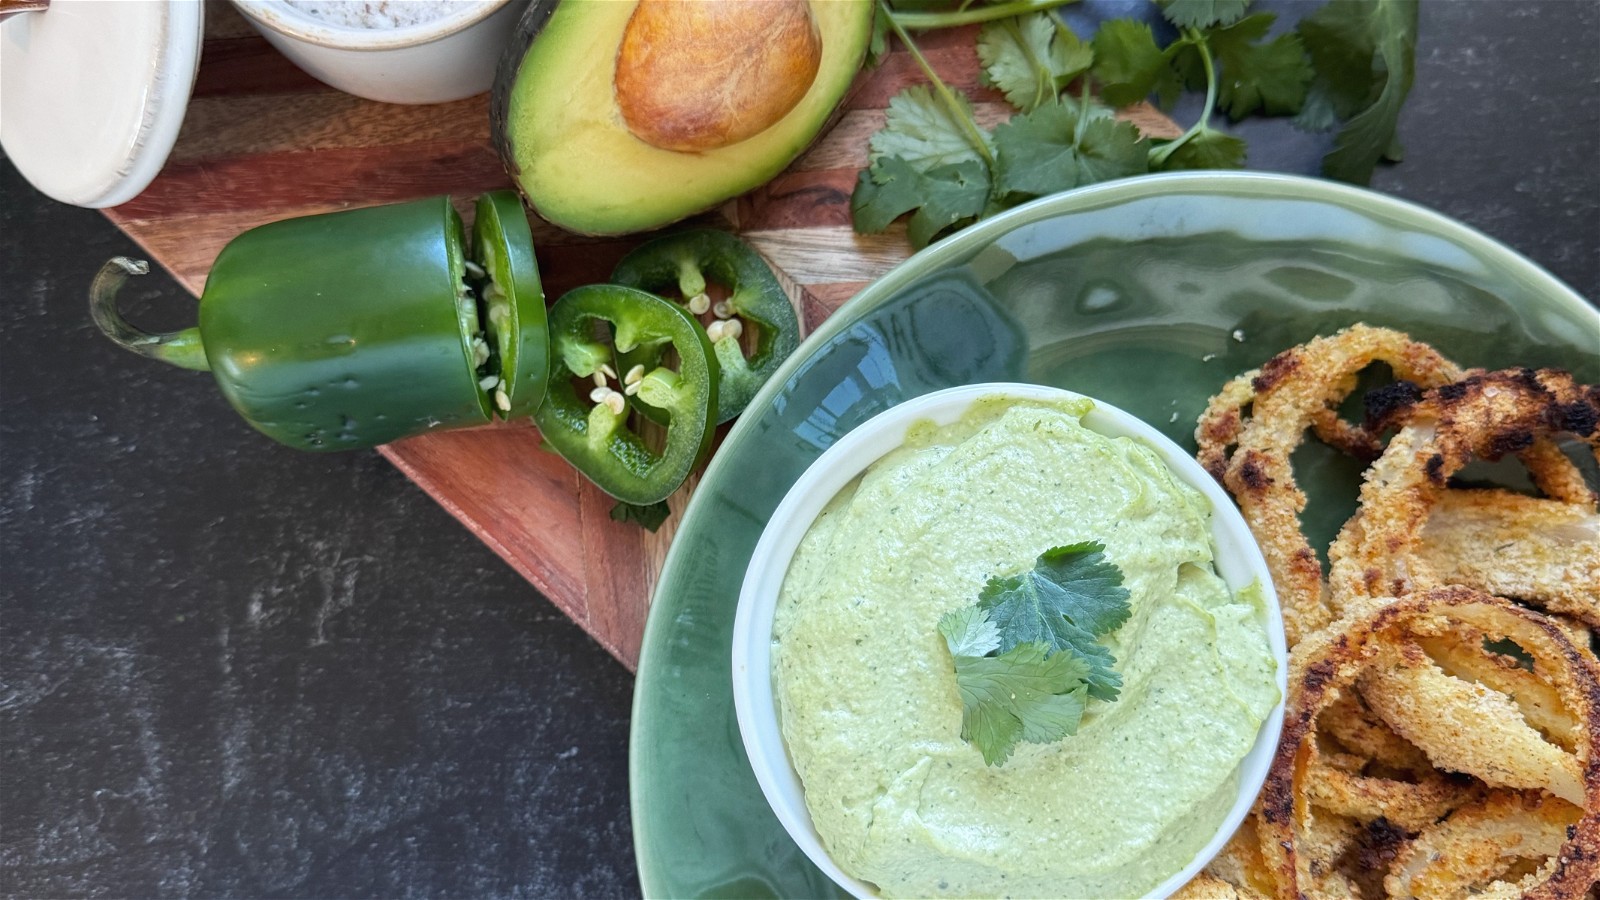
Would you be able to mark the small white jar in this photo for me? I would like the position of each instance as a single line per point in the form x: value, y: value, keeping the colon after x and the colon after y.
x: 434, y: 61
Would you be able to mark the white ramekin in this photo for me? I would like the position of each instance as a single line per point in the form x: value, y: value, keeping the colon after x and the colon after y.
x: 430, y: 62
x: 1238, y: 561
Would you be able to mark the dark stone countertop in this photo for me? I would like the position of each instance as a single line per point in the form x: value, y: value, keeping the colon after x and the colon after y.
x: 231, y: 669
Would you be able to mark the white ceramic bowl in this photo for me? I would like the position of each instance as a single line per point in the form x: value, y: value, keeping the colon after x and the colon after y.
x: 1238, y: 561
x: 431, y: 62
x: 92, y: 94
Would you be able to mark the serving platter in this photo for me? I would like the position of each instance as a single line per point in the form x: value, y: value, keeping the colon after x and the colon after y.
x: 1148, y: 293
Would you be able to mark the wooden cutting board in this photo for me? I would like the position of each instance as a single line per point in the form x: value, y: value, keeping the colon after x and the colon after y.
x: 263, y: 141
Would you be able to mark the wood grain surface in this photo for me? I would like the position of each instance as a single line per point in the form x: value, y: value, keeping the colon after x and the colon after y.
x: 264, y: 141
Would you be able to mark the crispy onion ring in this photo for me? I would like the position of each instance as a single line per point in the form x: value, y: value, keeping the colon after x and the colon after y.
x: 1207, y: 887
x: 1466, y: 727
x: 1356, y: 728
x: 1484, y: 416
x: 1463, y: 655
x: 1334, y: 659
x: 1540, y: 551
x: 1300, y: 387
x: 1240, y: 864
x: 1470, y: 851
x: 1410, y: 805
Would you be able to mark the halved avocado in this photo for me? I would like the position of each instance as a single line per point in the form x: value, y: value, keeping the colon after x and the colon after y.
x: 560, y: 126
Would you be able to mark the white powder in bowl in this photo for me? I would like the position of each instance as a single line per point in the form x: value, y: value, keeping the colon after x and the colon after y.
x: 379, y: 13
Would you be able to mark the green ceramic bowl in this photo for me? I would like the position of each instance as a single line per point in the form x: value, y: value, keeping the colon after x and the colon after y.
x: 1147, y: 293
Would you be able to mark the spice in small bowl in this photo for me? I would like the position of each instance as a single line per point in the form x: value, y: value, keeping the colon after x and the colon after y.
x: 419, y: 51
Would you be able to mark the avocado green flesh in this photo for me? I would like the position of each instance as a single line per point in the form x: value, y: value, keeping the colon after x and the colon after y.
x: 866, y: 690
x: 574, y: 158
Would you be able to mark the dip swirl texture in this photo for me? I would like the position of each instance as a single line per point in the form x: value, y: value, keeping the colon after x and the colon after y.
x: 867, y: 695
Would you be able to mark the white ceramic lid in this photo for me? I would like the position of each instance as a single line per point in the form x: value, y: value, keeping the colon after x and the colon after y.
x: 92, y: 93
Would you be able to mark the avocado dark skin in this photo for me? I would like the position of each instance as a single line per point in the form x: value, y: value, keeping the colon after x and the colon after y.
x: 532, y: 22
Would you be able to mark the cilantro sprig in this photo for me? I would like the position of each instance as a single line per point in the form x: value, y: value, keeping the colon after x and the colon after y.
x: 1350, y: 62
x: 1027, y: 654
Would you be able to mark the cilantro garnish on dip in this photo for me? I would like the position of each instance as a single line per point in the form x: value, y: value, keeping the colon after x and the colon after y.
x: 1026, y: 655
x: 922, y: 639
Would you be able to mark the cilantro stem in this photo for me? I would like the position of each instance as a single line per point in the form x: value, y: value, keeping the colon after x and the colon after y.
x: 951, y: 104
x: 922, y: 21
x: 1083, y: 115
x: 1192, y: 36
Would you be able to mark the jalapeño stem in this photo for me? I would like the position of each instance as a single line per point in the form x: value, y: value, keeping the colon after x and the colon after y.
x: 178, y: 348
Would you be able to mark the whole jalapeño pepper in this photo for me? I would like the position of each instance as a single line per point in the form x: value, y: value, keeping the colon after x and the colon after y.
x: 585, y: 413
x: 356, y: 328
x: 682, y: 264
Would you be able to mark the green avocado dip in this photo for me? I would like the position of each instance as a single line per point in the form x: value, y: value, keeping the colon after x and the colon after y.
x: 867, y: 695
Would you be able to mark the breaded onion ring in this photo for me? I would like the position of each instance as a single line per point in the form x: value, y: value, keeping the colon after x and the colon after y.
x: 1348, y: 721
x: 1470, y: 851
x: 1334, y: 659
x: 1410, y: 805
x: 1466, y: 727
x: 1463, y: 655
x: 1292, y: 391
x: 1540, y: 551
x: 1483, y: 416
x: 1207, y: 887
x: 1240, y: 864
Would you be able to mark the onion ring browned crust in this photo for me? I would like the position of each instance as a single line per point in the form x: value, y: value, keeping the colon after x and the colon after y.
x: 1463, y: 655
x: 1464, y: 726
x: 1410, y: 805
x: 1358, y: 730
x: 1334, y: 659
x: 1296, y: 389
x: 1484, y: 416
x: 1543, y: 552
x: 1240, y: 863
x: 1470, y: 851
x: 1207, y: 887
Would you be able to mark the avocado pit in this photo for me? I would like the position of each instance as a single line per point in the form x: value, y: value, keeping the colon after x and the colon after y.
x: 695, y: 75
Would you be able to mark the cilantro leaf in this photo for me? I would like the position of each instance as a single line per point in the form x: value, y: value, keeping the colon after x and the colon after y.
x: 1059, y: 147
x: 1128, y: 64
x: 1189, y: 73
x: 885, y: 191
x: 1206, y: 149
x: 648, y: 517
x: 1031, y: 58
x: 1026, y: 656
x: 950, y: 194
x: 1363, y: 53
x: 1340, y: 41
x: 921, y: 131
x: 943, y: 196
x: 1318, y: 112
x: 1023, y: 694
x: 968, y: 632
x: 1271, y: 76
x: 1071, y: 596
x: 1202, y: 13
x: 1350, y: 62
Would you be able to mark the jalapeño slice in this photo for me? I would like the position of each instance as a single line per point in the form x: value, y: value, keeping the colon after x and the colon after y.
x: 512, y: 304
x: 586, y: 421
x: 682, y: 264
